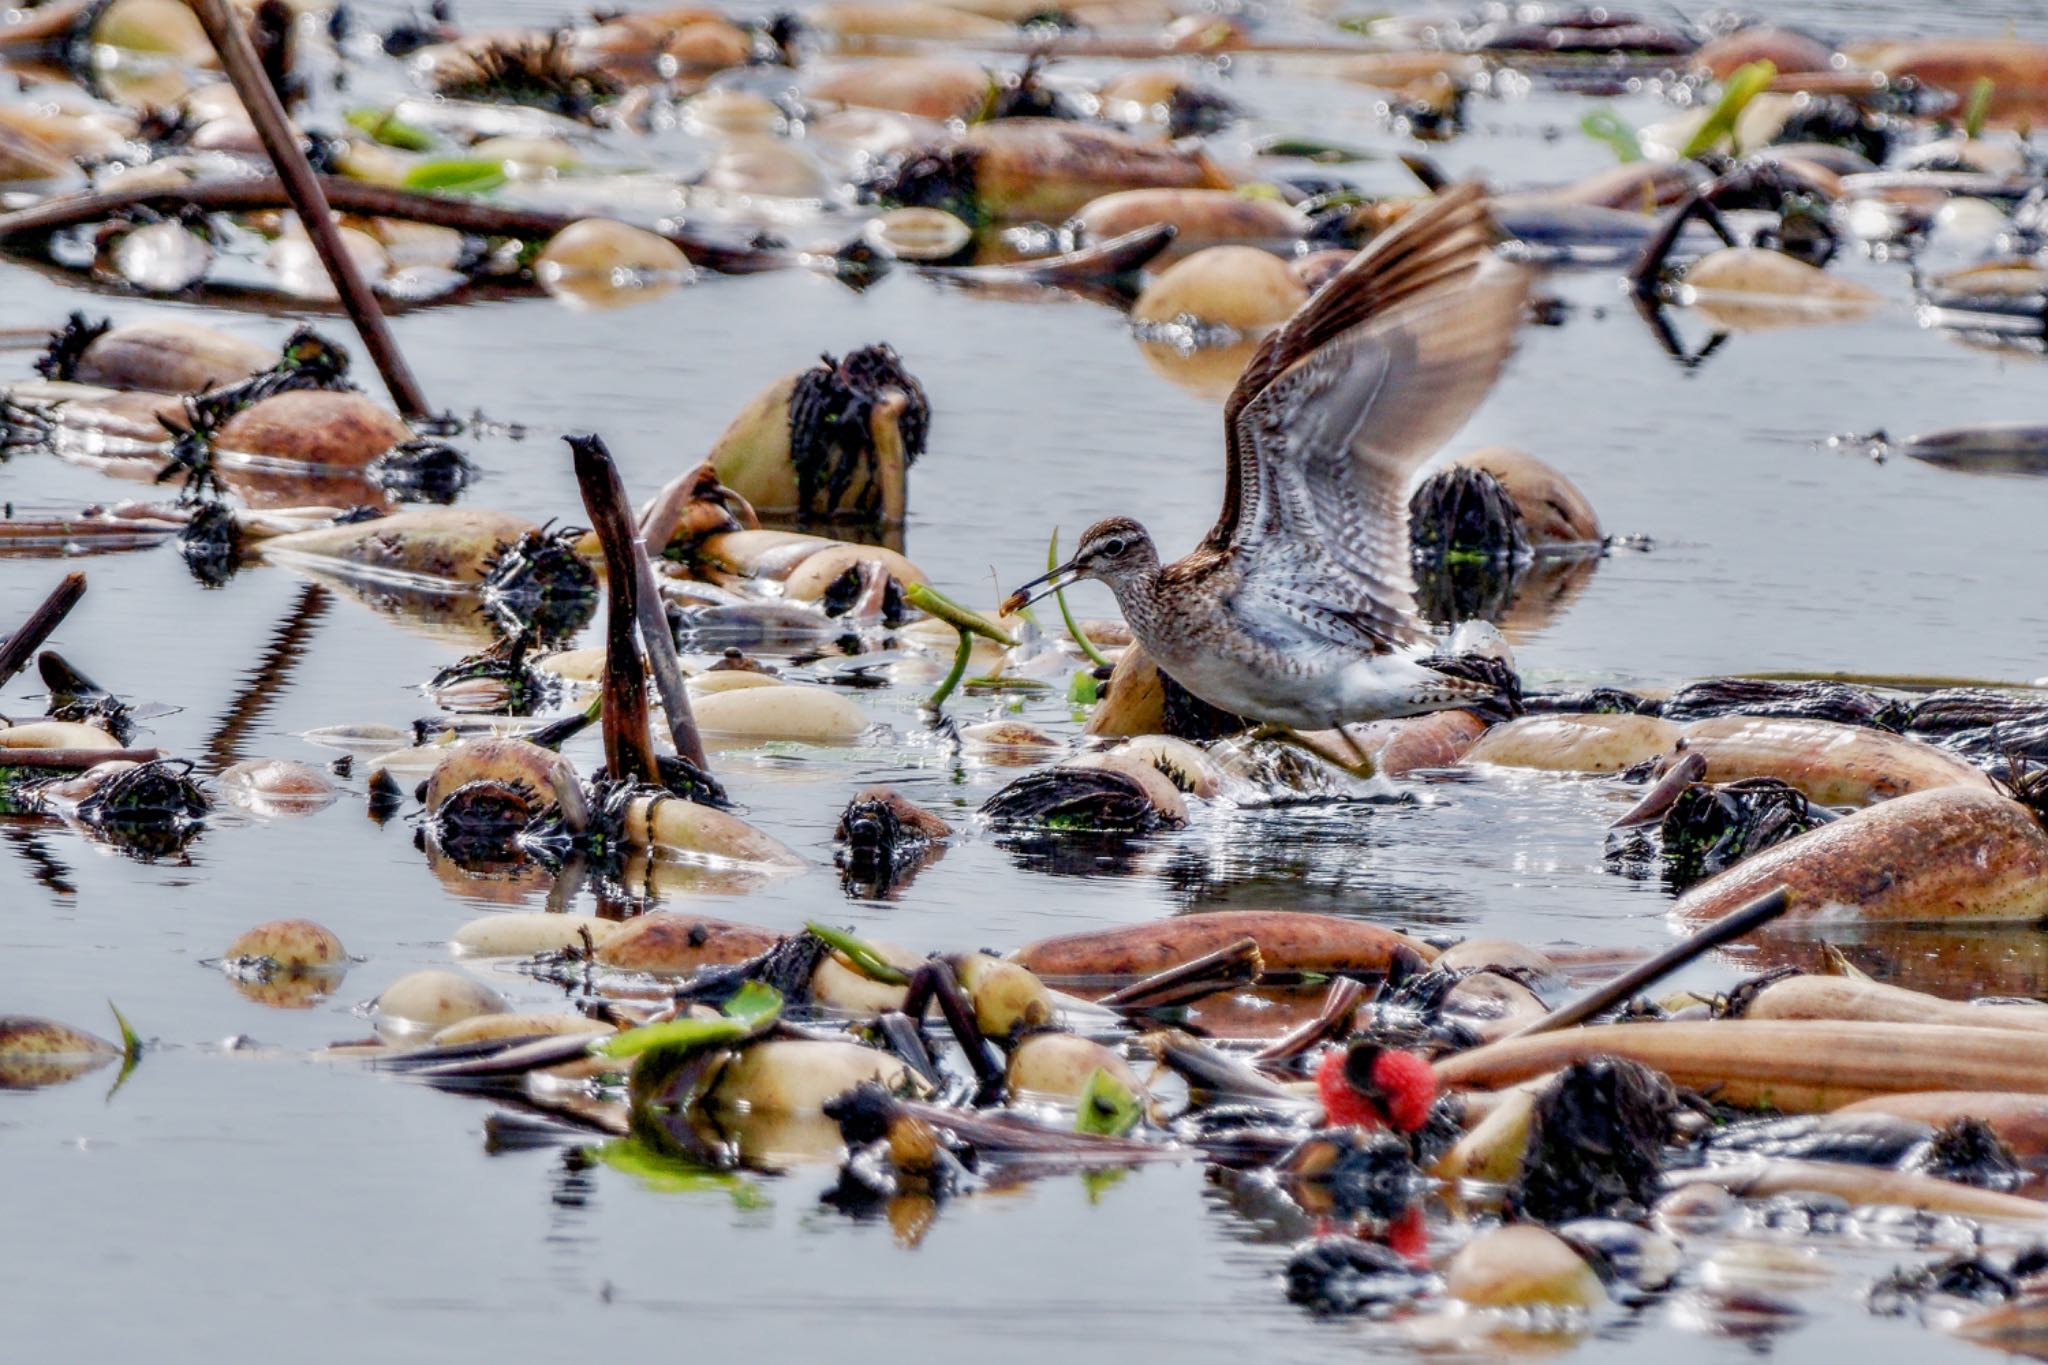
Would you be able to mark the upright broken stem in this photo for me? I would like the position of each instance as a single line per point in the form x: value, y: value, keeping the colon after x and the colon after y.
x: 238, y: 58
x: 20, y: 647
x: 630, y: 581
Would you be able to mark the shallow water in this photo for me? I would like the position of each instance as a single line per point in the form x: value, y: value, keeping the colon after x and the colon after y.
x: 227, y: 1202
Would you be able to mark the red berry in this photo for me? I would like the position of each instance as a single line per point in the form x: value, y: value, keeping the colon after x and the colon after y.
x: 1343, y: 1106
x: 1407, y: 1086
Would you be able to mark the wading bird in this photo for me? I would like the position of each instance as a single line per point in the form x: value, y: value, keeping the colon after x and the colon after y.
x: 1298, y: 608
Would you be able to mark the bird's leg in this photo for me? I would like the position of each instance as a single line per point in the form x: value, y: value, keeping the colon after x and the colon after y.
x: 1359, y: 764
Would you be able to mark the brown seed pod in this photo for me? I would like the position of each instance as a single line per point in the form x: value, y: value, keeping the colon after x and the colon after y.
x: 40, y: 1052
x: 1028, y: 168
x: 289, y: 945
x: 1289, y: 941
x: 1953, y: 855
x: 1241, y: 288
x: 923, y: 87
x: 169, y: 356
x: 1834, y: 764
x: 1795, y: 1066
x: 445, y: 544
x: 314, y: 427
x: 667, y: 944
x: 1575, y: 743
x: 1200, y: 218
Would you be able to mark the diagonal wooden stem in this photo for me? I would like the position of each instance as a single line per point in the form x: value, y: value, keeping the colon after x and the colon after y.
x: 17, y: 649
x: 238, y: 58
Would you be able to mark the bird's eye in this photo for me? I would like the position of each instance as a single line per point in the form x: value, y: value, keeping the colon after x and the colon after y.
x: 1113, y: 546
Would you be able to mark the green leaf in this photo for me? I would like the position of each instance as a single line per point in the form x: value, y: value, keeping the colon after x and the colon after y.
x: 1604, y: 125
x: 1979, y: 105
x: 1080, y: 637
x: 1744, y: 84
x: 456, y: 175
x: 750, y: 1010
x: 1313, y: 149
x: 1084, y: 689
x: 131, y: 1043
x: 1107, y: 1107
x: 382, y: 125
x: 865, y: 959
x: 756, y: 1005
x: 673, y: 1175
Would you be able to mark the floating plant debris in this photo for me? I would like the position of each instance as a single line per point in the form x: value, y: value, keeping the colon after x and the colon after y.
x: 800, y: 888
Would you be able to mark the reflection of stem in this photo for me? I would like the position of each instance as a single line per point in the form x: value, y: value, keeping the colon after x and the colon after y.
x: 269, y: 678
x: 48, y: 869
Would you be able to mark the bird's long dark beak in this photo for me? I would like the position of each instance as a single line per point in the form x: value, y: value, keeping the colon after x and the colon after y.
x: 1042, y: 586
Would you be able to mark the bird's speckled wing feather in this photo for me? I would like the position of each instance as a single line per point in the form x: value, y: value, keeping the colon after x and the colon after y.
x: 1339, y: 408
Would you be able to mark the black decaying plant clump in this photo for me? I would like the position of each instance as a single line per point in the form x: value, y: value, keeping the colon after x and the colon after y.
x: 540, y: 582
x: 75, y: 697
x: 941, y: 177
x: 2005, y: 735
x: 422, y: 471
x: 1985, y: 1277
x: 831, y: 436
x: 59, y: 360
x: 1195, y: 112
x: 1348, y: 1275
x: 1463, y: 513
x: 1711, y: 828
x: 1837, y: 702
x: 526, y: 689
x: 1594, y: 701
x: 1081, y: 800
x: 538, y: 73
x: 1498, y: 674
x: 1023, y: 94
x: 1596, y: 1144
x: 788, y: 967
x: 211, y: 543
x: 1968, y: 1152
x: 148, y: 810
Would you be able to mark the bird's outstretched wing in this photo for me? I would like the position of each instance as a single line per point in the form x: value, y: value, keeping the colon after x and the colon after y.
x: 1339, y: 408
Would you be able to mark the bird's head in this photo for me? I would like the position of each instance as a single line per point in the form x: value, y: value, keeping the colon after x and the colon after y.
x: 1116, y: 551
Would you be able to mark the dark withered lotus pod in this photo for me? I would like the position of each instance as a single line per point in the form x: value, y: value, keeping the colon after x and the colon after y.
x: 1829, y: 701
x: 1082, y: 800
x: 1596, y: 1143
x: 1710, y: 828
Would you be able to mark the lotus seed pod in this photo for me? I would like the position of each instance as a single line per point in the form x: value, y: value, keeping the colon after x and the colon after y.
x: 1059, y: 1065
x: 290, y: 945
x: 1239, y: 287
x: 523, y: 934
x: 602, y: 263
x: 429, y: 1001
x: 1522, y: 1266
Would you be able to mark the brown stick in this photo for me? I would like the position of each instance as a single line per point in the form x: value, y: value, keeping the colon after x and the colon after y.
x: 238, y: 58
x: 611, y: 515
x: 21, y: 646
x: 357, y: 196
x: 74, y: 760
x: 1754, y: 915
x: 628, y: 747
